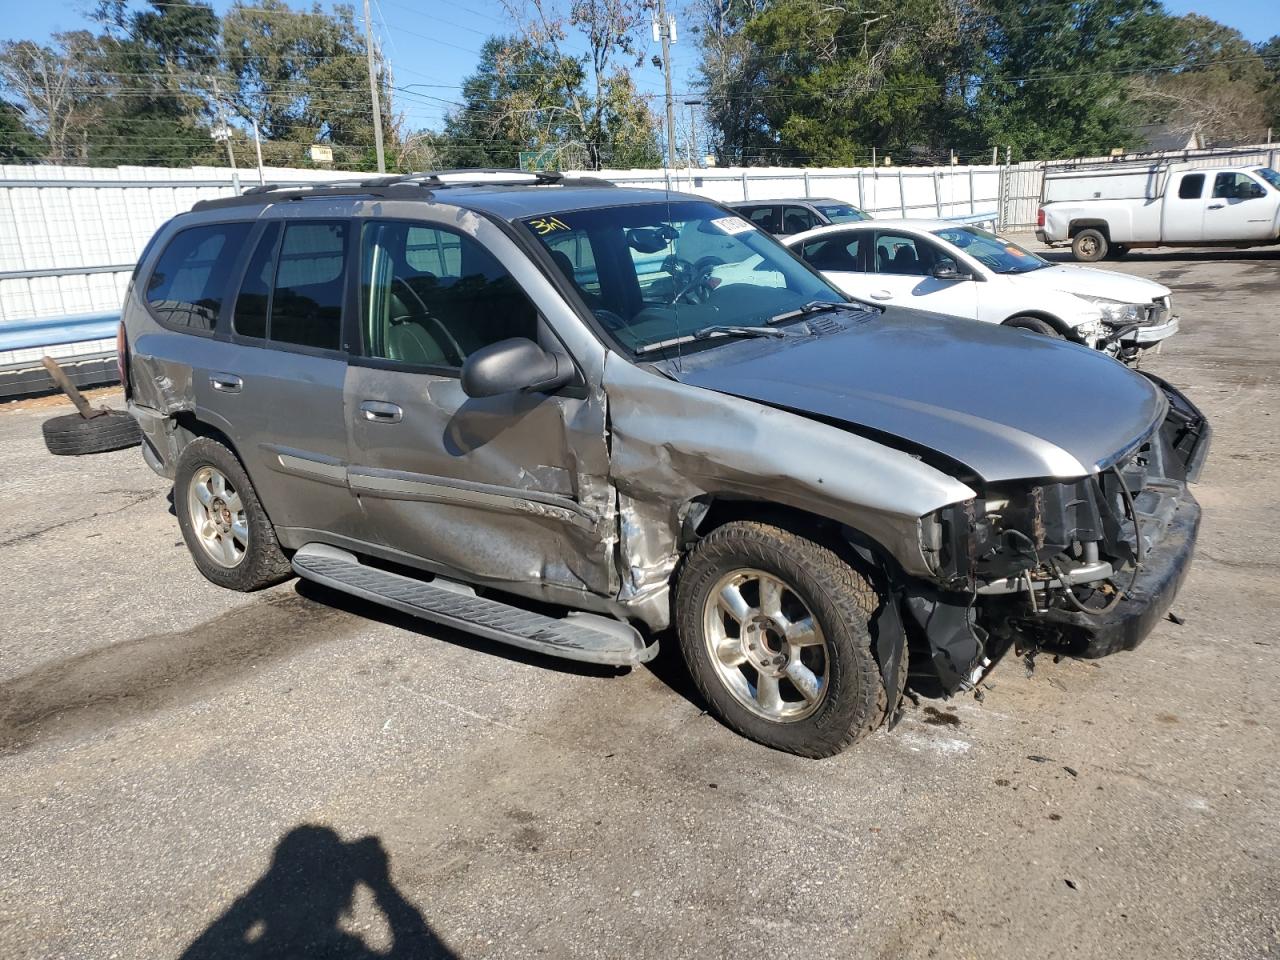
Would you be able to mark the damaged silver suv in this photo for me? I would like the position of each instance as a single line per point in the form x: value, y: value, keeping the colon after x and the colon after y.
x: 569, y: 417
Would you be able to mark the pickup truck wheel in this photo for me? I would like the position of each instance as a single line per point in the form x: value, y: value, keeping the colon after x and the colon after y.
x: 1035, y: 325
x: 774, y: 629
x: 228, y: 533
x: 1089, y: 246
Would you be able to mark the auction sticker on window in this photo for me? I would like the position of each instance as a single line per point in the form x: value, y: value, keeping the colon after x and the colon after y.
x: 732, y: 225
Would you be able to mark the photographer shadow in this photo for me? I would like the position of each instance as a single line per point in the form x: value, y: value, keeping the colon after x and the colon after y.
x: 295, y: 908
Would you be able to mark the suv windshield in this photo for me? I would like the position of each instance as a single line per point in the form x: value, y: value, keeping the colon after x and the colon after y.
x: 1269, y: 175
x: 660, y: 271
x: 841, y: 212
x: 997, y: 255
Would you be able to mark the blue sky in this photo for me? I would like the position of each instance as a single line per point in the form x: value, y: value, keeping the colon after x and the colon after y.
x: 433, y: 45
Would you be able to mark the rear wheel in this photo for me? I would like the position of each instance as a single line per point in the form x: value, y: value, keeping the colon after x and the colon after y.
x: 228, y: 533
x: 1089, y: 245
x: 1117, y: 251
x: 774, y: 629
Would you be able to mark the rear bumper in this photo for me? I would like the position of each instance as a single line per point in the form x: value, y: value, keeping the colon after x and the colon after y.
x: 1163, y: 571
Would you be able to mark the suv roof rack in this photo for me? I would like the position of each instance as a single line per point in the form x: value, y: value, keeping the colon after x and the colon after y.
x: 398, y: 185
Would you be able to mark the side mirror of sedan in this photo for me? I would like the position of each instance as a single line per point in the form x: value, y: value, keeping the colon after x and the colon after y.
x: 516, y: 365
x: 947, y: 270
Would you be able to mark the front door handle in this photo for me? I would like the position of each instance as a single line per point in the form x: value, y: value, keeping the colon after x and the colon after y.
x: 1216, y: 206
x: 226, y: 382
x: 379, y: 411
x: 882, y: 295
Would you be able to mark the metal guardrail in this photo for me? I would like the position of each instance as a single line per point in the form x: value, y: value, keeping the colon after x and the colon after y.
x: 53, y: 331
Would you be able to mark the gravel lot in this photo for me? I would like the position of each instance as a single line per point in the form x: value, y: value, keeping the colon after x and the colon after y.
x: 293, y: 771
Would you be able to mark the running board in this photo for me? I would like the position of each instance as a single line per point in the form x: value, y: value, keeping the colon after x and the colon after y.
x: 579, y: 636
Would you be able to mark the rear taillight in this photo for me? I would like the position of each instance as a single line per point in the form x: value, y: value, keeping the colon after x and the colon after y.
x: 1040, y: 217
x: 122, y: 357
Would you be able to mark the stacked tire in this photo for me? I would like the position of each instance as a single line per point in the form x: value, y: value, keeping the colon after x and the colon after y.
x: 73, y: 435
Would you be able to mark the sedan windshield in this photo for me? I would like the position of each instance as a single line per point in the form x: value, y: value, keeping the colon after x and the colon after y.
x: 997, y: 255
x: 1269, y: 175
x: 841, y: 212
x: 657, y: 272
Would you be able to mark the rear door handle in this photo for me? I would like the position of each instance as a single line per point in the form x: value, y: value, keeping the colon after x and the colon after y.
x: 379, y: 411
x: 226, y: 382
x: 1216, y: 206
x: 882, y: 295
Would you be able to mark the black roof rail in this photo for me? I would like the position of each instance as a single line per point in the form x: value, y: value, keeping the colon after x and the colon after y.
x: 395, y: 185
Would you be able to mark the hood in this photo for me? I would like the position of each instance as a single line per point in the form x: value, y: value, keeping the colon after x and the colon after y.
x: 1091, y: 282
x: 1006, y: 403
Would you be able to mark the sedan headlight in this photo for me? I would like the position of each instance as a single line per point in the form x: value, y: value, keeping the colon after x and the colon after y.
x: 1117, y: 312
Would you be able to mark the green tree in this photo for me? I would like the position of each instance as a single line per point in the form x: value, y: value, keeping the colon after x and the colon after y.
x: 1054, y: 79
x: 153, y: 70
x: 1270, y: 54
x: 18, y: 143
x: 303, y: 75
x: 52, y: 83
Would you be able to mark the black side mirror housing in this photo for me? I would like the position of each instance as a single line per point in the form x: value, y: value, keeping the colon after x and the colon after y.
x: 516, y: 365
x: 947, y: 270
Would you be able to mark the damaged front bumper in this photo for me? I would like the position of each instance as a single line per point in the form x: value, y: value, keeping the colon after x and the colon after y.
x: 1144, y: 604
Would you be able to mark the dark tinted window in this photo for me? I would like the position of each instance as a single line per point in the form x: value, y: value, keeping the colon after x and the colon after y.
x: 796, y: 220
x: 190, y: 280
x: 1191, y: 187
x: 254, y: 300
x: 838, y: 252
x: 306, y: 303
x: 431, y: 297
x: 766, y: 217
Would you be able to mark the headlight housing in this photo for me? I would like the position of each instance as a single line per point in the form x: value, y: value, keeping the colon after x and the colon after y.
x: 1117, y: 312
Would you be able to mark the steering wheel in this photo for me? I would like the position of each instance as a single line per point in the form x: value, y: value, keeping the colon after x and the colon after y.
x: 450, y: 344
x: 691, y: 279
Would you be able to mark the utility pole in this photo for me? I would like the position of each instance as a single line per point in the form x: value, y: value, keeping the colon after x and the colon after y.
x: 257, y: 146
x: 663, y: 29
x: 223, y: 130
x: 373, y: 89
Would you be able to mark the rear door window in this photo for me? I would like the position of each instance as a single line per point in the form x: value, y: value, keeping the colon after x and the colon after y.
x: 834, y: 252
x: 1191, y: 187
x: 765, y: 217
x: 192, y: 277
x: 796, y: 220
x: 306, y: 302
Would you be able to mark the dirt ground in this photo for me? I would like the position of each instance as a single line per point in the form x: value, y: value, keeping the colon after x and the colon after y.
x: 188, y: 771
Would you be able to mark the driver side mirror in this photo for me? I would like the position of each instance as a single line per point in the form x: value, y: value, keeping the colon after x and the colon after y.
x: 947, y: 270
x: 516, y: 365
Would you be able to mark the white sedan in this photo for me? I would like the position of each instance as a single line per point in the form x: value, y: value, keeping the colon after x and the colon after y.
x: 962, y: 271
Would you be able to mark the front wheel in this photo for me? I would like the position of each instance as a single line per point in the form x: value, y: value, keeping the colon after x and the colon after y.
x: 1035, y: 325
x: 774, y: 628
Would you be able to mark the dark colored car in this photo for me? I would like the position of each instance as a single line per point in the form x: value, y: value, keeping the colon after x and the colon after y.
x: 783, y: 218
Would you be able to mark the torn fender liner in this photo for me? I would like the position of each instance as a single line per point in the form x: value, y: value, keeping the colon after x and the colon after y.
x: 947, y: 621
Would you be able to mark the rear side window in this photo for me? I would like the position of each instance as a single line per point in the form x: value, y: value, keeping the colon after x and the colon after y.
x: 1191, y: 187
x: 294, y: 285
x: 766, y: 218
x: 796, y: 220
x: 838, y: 252
x: 306, y: 304
x: 193, y: 275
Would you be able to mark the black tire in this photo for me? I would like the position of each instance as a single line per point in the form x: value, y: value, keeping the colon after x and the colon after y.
x: 1089, y: 245
x: 840, y: 600
x: 73, y: 436
x: 1035, y: 325
x: 1117, y: 251
x: 263, y: 562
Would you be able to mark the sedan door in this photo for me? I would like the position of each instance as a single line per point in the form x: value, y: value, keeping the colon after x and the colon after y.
x: 506, y: 489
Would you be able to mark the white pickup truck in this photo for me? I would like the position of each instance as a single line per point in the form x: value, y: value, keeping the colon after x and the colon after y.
x: 1107, y: 211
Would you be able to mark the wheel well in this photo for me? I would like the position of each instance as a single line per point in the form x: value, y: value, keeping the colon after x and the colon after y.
x: 1048, y: 318
x: 1100, y: 225
x: 194, y: 427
